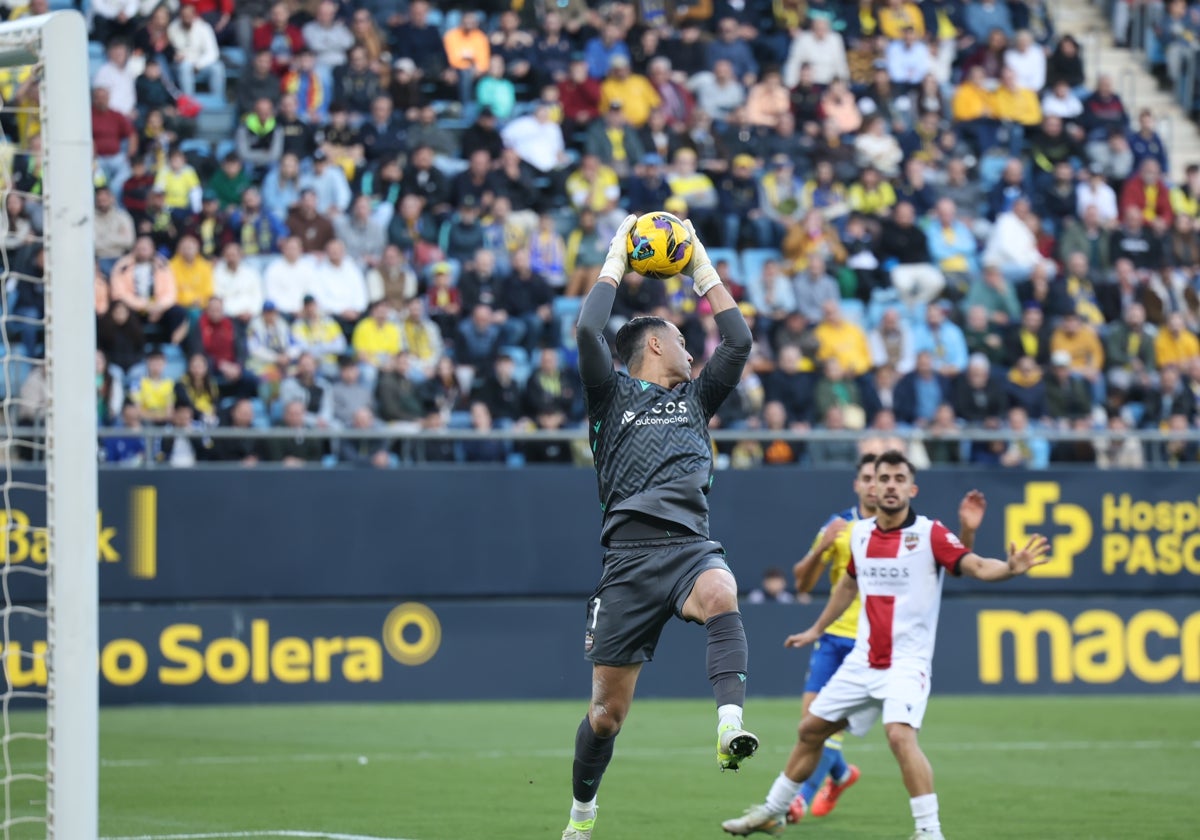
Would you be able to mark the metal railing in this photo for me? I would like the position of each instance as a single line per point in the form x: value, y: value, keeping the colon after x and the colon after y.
x: 26, y: 444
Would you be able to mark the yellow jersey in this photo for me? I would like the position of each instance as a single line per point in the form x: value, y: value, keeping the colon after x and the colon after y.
x: 838, y: 558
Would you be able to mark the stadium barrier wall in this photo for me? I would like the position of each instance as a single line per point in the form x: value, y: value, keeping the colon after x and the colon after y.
x: 439, y: 533
x: 479, y: 650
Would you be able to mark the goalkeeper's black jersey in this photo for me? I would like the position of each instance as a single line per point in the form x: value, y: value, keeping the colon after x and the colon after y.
x: 651, y: 447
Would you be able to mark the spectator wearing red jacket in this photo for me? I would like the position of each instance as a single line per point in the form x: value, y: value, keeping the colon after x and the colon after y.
x: 580, y: 97
x: 1147, y: 191
x: 279, y: 38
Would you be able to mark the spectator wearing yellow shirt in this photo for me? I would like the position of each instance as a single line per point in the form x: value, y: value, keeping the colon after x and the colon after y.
x: 695, y: 188
x: 1185, y: 198
x: 1079, y: 340
x: 1017, y: 108
x: 155, y: 394
x: 593, y: 186
x: 180, y: 184
x: 870, y: 195
x: 899, y: 15
x: 843, y: 340
x: 317, y: 333
x: 1175, y: 344
x: 634, y: 91
x: 193, y: 275
x: 376, y: 340
x: 973, y: 111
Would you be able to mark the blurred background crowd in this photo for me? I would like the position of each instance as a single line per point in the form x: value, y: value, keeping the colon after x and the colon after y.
x: 327, y: 215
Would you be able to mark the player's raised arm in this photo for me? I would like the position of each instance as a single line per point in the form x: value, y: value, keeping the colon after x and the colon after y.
x: 970, y: 516
x: 595, y: 360
x: 808, y: 568
x: 723, y: 371
x: 1035, y: 553
x: 841, y: 597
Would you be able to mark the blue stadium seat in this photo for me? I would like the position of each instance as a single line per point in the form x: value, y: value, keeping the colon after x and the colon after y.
x: 233, y: 57
x: 753, y: 260
x: 224, y: 147
x: 732, y: 257
x: 262, y: 420
x: 854, y: 310
x: 566, y: 310
x: 95, y: 49
x: 521, y: 363
x: 881, y: 301
x: 196, y: 146
x: 216, y: 119
x: 914, y: 313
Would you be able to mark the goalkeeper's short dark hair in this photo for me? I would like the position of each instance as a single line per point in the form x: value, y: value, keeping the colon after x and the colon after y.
x: 631, y: 339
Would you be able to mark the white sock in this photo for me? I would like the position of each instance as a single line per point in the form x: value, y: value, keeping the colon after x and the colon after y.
x: 783, y: 791
x: 925, y: 812
x: 729, y: 714
x: 582, y: 811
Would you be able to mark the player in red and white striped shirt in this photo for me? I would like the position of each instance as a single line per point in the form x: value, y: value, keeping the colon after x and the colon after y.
x: 898, y: 560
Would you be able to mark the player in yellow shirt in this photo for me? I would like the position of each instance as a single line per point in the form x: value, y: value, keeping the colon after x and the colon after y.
x: 818, y: 795
x: 832, y: 548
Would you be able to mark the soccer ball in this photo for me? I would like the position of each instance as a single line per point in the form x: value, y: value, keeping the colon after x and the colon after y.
x: 659, y: 245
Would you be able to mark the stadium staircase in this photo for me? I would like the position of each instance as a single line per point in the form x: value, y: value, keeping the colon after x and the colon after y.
x: 1137, y: 87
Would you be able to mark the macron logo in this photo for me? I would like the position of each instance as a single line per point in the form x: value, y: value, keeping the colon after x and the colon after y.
x: 627, y: 417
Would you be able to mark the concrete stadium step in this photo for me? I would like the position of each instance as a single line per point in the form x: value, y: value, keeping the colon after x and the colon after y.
x: 1134, y: 82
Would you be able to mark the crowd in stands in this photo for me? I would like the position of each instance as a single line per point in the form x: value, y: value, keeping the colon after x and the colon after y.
x: 927, y: 216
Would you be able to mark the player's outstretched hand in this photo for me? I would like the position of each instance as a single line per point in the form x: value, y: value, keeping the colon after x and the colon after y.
x: 971, y: 510
x: 799, y: 640
x: 616, y: 264
x: 1035, y: 553
x: 700, y: 267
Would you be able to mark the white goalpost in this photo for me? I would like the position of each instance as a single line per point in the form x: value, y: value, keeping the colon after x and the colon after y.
x: 44, y: 64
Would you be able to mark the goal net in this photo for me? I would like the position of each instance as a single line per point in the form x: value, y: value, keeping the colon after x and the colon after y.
x: 48, y: 577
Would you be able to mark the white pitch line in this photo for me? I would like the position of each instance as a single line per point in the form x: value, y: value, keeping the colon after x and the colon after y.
x: 631, y: 752
x: 230, y: 835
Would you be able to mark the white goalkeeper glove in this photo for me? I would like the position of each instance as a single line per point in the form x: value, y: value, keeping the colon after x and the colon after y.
x: 704, y: 276
x: 616, y: 264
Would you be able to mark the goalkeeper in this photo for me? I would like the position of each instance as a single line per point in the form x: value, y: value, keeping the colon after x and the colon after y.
x: 649, y: 436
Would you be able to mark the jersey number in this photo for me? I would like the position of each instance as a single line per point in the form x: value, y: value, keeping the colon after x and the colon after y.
x: 595, y: 612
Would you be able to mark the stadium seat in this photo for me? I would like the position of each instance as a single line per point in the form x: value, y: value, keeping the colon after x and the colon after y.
x: 914, y: 313
x: 233, y: 57
x: 854, y: 310
x: 732, y: 257
x: 753, y: 260
x: 196, y: 146
x: 216, y: 119
x: 95, y: 50
x: 881, y: 301
x: 566, y: 310
x: 224, y: 147
x: 522, y: 365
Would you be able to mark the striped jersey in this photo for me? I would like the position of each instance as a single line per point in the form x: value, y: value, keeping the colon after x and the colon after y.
x: 899, y: 574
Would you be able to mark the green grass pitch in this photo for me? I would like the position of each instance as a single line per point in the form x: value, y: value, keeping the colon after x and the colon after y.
x: 1061, y: 767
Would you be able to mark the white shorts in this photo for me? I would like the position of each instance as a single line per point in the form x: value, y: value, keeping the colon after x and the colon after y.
x: 858, y: 694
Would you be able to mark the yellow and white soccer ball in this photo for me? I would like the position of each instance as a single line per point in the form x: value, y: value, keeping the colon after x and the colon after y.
x: 659, y: 245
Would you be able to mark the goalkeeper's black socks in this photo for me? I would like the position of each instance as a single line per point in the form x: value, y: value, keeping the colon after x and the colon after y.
x: 592, y: 754
x: 726, y: 657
